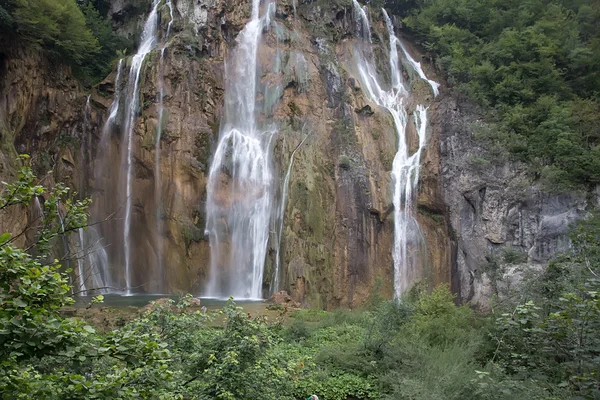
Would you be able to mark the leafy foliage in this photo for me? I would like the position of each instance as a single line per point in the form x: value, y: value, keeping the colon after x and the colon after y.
x: 76, y: 33
x: 534, y: 65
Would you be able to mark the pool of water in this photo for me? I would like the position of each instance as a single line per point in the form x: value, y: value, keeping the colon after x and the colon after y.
x: 140, y: 300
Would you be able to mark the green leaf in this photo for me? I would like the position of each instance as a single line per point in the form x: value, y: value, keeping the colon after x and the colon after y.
x: 5, y: 237
x: 89, y: 329
x: 19, y: 302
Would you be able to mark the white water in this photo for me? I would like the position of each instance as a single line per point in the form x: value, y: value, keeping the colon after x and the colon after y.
x: 362, y: 21
x: 80, y: 263
x: 406, y: 166
x: 417, y: 67
x: 114, y: 107
x: 147, y: 43
x: 169, y: 4
x: 240, y: 181
x: 284, y: 195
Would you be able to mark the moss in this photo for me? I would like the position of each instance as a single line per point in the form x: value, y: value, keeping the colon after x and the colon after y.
x: 202, y: 149
x: 343, y: 128
x: 431, y: 214
x: 345, y: 162
x: 191, y: 233
x: 164, y: 123
x: 65, y: 140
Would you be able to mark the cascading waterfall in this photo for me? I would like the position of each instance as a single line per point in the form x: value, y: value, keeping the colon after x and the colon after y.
x: 405, y: 168
x: 435, y: 87
x: 80, y: 263
x: 240, y: 181
x: 159, y: 130
x: 362, y: 20
x: 147, y: 44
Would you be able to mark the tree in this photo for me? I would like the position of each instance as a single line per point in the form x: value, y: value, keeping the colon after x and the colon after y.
x: 58, y: 25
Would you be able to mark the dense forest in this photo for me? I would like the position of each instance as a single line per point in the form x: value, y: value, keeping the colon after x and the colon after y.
x: 76, y: 32
x: 533, y: 69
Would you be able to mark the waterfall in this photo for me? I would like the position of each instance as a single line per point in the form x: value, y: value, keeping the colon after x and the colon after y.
x: 240, y: 181
x: 85, y: 145
x: 147, y: 43
x: 417, y: 67
x: 98, y: 258
x: 92, y: 262
x: 80, y: 263
x: 114, y: 107
x: 362, y: 21
x: 284, y: 194
x: 405, y: 167
x: 159, y: 130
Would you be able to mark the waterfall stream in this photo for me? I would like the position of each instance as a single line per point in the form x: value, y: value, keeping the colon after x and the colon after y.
x: 406, y: 165
x: 147, y: 43
x: 240, y: 182
x: 362, y: 21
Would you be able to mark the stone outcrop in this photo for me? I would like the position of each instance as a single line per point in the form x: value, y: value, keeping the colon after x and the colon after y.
x: 495, y: 207
x: 338, y: 230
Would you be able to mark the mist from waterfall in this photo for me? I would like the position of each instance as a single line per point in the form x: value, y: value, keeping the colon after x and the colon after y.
x: 147, y: 43
x: 406, y: 165
x: 240, y: 186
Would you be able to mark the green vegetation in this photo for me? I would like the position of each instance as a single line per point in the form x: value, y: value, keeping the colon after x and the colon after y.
x: 541, y: 342
x: 67, y: 30
x: 534, y: 65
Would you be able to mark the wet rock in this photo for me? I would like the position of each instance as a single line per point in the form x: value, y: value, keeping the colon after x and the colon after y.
x: 284, y: 299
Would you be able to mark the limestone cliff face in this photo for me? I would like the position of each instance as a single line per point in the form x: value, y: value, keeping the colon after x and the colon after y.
x: 337, y: 241
x: 496, y: 207
x: 39, y: 107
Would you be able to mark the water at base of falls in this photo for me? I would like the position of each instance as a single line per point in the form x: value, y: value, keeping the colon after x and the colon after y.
x: 406, y: 165
x: 240, y: 186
